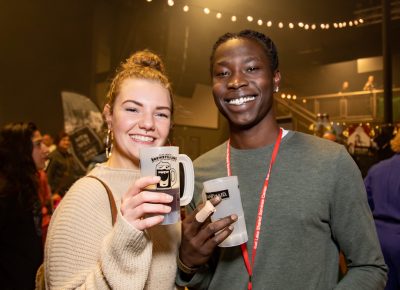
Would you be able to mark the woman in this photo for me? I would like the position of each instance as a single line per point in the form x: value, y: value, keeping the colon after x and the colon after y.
x: 22, y: 155
x: 83, y: 249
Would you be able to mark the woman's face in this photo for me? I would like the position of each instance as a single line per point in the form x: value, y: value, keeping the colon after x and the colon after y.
x: 141, y: 117
x: 40, y: 151
x: 64, y: 144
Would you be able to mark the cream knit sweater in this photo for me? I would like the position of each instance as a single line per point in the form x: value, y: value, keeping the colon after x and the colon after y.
x: 84, y: 251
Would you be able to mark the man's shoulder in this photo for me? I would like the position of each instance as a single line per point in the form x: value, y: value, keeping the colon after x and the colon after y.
x: 212, y: 154
x: 314, y: 142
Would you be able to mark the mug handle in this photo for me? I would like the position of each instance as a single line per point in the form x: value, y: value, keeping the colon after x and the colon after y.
x: 189, y: 179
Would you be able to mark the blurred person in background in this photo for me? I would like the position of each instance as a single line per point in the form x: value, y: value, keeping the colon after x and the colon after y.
x: 49, y: 142
x: 383, y: 188
x: 22, y: 155
x: 63, y: 170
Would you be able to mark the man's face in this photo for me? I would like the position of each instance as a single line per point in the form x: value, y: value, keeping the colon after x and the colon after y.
x: 243, y: 82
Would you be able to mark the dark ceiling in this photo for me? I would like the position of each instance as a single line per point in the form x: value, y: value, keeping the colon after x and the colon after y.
x: 299, y: 49
x: 49, y: 46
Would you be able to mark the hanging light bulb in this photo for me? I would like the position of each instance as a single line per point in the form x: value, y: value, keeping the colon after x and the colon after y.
x: 186, y: 8
x: 269, y: 23
x: 206, y: 10
x: 233, y: 18
x: 171, y: 2
x: 259, y: 22
x: 218, y: 15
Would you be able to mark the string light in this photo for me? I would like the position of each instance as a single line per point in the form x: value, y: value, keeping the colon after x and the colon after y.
x: 280, y: 24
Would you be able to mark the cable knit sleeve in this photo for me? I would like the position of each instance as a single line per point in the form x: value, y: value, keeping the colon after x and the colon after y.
x: 84, y: 251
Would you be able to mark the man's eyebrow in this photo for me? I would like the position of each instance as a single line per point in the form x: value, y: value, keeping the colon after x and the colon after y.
x: 224, y: 62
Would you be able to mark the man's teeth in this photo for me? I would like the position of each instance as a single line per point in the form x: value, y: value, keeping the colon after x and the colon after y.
x: 142, y: 138
x: 241, y: 101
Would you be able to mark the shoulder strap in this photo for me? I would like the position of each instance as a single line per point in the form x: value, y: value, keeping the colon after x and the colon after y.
x: 113, y: 206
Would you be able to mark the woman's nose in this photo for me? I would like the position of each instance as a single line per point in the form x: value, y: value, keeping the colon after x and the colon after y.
x: 147, y: 122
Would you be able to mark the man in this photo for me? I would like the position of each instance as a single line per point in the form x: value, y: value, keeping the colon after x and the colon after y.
x: 311, y: 205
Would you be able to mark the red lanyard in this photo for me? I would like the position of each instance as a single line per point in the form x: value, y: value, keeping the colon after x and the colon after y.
x: 260, y: 207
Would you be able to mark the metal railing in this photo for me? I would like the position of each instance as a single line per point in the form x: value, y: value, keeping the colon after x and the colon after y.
x: 350, y: 107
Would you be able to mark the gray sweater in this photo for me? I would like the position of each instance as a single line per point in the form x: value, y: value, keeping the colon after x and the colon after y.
x: 316, y: 204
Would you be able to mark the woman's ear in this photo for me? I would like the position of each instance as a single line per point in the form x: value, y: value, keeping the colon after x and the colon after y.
x: 108, y: 115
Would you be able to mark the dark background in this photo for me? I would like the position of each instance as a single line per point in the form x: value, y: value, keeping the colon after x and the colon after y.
x: 50, y: 46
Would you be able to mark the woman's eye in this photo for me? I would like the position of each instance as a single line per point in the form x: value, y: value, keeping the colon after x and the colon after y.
x: 132, y: 110
x: 37, y: 143
x: 162, y: 115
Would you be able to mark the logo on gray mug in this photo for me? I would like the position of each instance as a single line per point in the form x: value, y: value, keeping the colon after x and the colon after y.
x: 222, y: 194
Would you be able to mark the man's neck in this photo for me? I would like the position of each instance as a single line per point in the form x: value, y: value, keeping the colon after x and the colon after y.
x: 256, y: 137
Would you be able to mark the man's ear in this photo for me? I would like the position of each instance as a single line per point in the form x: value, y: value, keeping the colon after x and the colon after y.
x: 277, y: 78
x: 108, y: 115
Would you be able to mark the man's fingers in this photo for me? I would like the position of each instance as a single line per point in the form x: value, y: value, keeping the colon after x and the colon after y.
x: 205, y: 212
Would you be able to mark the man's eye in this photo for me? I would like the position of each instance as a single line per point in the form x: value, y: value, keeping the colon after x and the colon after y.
x: 222, y: 74
x: 252, y: 68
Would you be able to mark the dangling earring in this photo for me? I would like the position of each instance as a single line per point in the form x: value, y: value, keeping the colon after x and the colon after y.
x: 109, y: 143
x: 276, y: 89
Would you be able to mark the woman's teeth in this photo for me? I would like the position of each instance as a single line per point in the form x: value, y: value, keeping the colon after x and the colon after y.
x: 241, y: 101
x: 142, y: 138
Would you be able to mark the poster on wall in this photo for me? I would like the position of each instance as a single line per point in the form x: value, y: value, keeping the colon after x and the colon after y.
x: 84, y: 124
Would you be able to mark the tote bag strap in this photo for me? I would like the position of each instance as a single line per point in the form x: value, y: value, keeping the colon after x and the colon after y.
x: 111, y: 199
